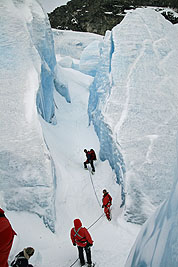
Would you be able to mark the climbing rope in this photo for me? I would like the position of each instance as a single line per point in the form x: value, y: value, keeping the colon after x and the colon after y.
x: 74, y: 262
x: 96, y: 221
x: 94, y: 188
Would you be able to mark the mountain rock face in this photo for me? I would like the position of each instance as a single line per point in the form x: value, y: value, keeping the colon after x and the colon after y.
x: 98, y: 16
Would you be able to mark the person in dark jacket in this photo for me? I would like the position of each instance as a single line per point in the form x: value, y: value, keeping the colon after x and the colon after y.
x: 107, y: 202
x: 6, y: 239
x: 90, y: 158
x: 21, y: 259
x: 81, y: 237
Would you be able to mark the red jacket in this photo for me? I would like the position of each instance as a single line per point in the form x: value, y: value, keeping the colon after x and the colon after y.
x: 6, y: 239
x: 107, y: 200
x: 80, y: 235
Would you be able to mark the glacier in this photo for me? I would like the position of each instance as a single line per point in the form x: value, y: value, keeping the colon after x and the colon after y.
x: 157, y: 243
x: 27, y: 65
x: 133, y: 106
x: 70, y: 43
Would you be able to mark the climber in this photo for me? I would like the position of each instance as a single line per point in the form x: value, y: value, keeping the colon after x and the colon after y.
x: 91, y: 156
x: 6, y: 239
x: 21, y: 259
x: 81, y: 237
x: 107, y: 202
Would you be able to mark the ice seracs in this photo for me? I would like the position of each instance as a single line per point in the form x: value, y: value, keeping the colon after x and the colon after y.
x: 27, y: 73
x: 133, y: 106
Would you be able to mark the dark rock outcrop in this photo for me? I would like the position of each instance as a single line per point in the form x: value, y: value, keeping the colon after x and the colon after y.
x: 97, y: 16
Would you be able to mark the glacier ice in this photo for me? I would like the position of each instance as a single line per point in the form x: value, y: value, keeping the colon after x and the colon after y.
x: 99, y: 91
x: 27, y: 62
x: 42, y: 39
x: 157, y: 242
x: 71, y: 43
x: 71, y: 50
x: 134, y: 108
x: 89, y: 59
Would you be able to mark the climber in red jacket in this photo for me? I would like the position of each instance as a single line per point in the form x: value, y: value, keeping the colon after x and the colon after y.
x: 6, y: 239
x: 107, y: 202
x: 81, y: 237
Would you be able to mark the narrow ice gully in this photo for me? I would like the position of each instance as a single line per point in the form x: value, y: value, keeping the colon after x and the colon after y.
x: 27, y: 184
x: 75, y: 195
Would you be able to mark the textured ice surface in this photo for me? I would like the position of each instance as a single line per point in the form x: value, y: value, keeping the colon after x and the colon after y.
x: 26, y: 61
x: 134, y: 108
x: 157, y: 242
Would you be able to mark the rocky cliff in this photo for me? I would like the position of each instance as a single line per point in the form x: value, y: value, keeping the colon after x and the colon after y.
x: 97, y: 16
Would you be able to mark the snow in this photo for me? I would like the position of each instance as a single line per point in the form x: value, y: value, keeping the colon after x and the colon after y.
x: 42, y: 174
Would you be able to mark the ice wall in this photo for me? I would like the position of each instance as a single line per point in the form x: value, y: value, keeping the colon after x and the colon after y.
x: 157, y: 243
x: 99, y: 92
x: 27, y: 61
x: 89, y: 59
x: 134, y: 108
x: 42, y: 38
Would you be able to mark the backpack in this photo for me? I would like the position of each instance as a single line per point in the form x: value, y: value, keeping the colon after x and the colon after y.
x: 93, y: 155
